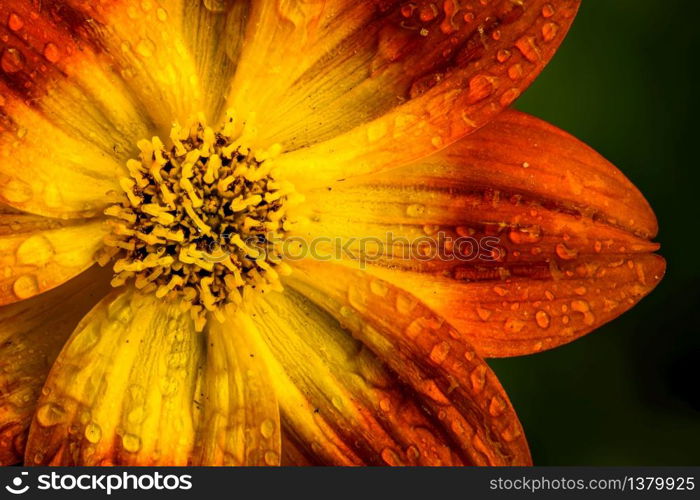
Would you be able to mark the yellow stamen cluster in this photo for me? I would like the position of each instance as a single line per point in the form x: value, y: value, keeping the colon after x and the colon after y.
x: 201, y: 221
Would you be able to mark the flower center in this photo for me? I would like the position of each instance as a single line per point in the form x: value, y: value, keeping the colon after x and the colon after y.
x: 201, y: 222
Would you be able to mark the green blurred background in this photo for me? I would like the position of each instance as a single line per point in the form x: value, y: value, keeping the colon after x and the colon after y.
x: 625, y: 82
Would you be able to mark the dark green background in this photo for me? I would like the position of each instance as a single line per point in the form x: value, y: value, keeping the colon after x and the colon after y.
x: 625, y: 82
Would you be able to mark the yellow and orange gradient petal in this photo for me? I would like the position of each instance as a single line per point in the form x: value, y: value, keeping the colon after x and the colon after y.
x: 570, y: 234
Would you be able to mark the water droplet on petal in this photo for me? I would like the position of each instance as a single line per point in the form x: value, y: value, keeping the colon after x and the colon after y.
x: 11, y: 60
x: 415, y: 210
x: 496, y: 406
x: 35, y: 251
x: 439, y: 353
x: 14, y: 22
x: 267, y: 429
x: 50, y: 414
x: 542, y: 319
x: 25, y: 286
x: 51, y: 52
x: 131, y: 443
x: 565, y: 253
x: 272, y: 458
x: 93, y: 433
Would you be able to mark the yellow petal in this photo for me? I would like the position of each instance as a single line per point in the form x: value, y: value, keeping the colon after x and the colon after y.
x: 338, y: 401
x: 32, y: 333
x: 240, y: 420
x: 354, y: 87
x: 122, y: 391
x: 38, y: 254
x: 214, y: 32
x: 448, y: 376
x: 67, y: 117
x: 132, y: 386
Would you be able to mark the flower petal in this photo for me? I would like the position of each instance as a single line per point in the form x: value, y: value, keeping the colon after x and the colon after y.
x: 136, y: 385
x: 214, y: 32
x: 32, y: 333
x: 451, y: 380
x: 56, y: 82
x: 122, y: 391
x: 38, y: 254
x: 95, y: 77
x: 338, y: 402
x: 240, y: 420
x: 373, y: 85
x: 556, y: 237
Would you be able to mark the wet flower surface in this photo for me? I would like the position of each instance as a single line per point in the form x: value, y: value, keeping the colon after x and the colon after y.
x: 251, y: 233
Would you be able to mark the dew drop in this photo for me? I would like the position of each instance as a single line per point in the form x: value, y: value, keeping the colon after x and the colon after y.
x: 478, y: 378
x: 503, y: 55
x: 379, y: 288
x: 528, y: 48
x: 542, y: 319
x: 496, y: 406
x: 215, y: 5
x: 565, y: 253
x: 515, y: 72
x: 267, y: 429
x: 439, y: 353
x: 272, y: 458
x: 50, y: 414
x: 484, y: 314
x: 549, y: 31
x: 12, y: 60
x: 525, y: 235
x: 385, y: 405
x: 25, y: 286
x: 547, y: 10
x: 51, y: 52
x: 415, y: 210
x: 131, y: 443
x: 145, y: 48
x: 93, y: 433
x: 14, y: 22
x: 35, y: 251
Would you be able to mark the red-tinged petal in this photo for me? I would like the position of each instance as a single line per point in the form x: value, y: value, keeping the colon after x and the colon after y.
x: 32, y: 333
x: 530, y: 313
x: 339, y: 404
x: 38, y: 254
x: 80, y: 84
x: 136, y: 385
x: 520, y: 235
x: 453, y: 383
x: 66, y: 116
x: 366, y: 92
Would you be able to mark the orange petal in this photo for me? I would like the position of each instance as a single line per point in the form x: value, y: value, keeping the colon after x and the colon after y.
x: 560, y: 235
x: 94, y: 77
x: 32, y: 333
x: 38, y: 254
x: 453, y: 383
x: 136, y: 385
x: 384, y: 94
x: 66, y: 116
x: 338, y: 402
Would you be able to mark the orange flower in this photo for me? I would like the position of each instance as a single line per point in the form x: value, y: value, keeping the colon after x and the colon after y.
x: 317, y: 276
